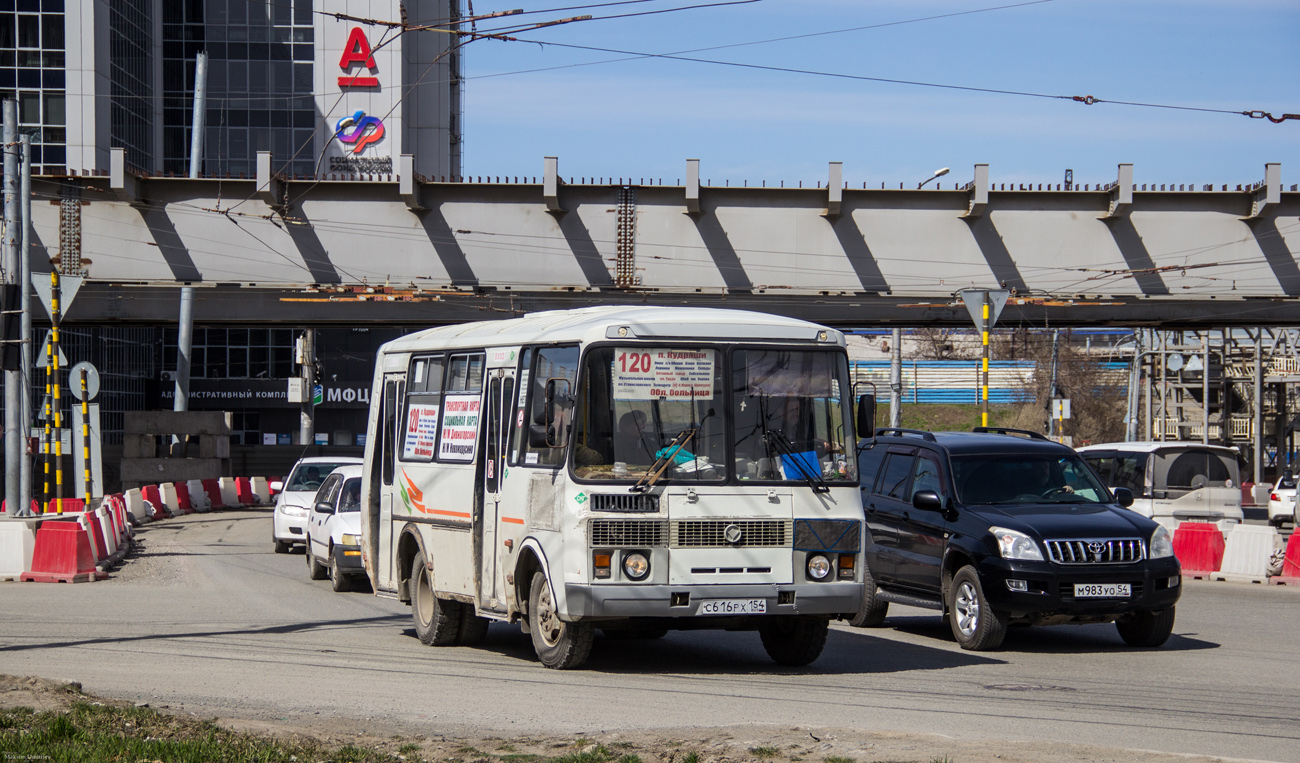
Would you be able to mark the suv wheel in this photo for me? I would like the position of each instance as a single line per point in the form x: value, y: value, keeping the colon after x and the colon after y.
x: 1147, y: 629
x: 975, y: 624
x: 872, y: 614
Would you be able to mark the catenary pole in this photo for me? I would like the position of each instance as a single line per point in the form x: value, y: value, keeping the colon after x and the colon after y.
x: 13, y: 377
x: 25, y: 283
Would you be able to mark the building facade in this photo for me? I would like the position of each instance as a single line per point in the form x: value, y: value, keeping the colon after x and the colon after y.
x: 323, y: 93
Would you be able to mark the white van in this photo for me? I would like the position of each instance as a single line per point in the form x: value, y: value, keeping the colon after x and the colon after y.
x: 1173, y: 482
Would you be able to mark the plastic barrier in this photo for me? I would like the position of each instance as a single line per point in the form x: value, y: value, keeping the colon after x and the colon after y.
x: 104, y: 524
x: 70, y: 506
x: 1290, y: 563
x: 198, y: 496
x: 95, y: 534
x: 229, y: 495
x: 244, y: 491
x: 1245, y: 557
x: 1199, y: 548
x: 17, y: 540
x: 154, y: 499
x: 1247, y: 494
x: 167, y: 491
x: 134, y: 499
x: 36, y: 506
x: 183, y: 497
x: 62, y: 554
x: 213, y: 490
x: 262, y: 490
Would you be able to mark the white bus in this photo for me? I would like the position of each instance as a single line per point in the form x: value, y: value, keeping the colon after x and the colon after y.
x: 628, y: 469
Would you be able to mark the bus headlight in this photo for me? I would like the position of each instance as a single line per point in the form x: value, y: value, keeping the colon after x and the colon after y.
x: 636, y: 565
x: 818, y: 567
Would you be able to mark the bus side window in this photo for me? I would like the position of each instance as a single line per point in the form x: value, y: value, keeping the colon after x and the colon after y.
x: 548, y: 363
x: 518, y: 422
x: 420, y: 410
x: 388, y: 430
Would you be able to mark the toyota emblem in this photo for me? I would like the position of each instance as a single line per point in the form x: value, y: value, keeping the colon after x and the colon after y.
x: 733, y: 534
x: 1095, y: 548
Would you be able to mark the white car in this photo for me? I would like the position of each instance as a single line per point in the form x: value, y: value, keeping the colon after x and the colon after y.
x: 289, y: 522
x: 1281, y: 500
x: 334, y: 529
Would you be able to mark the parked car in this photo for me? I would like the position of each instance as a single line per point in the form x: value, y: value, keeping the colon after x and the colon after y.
x: 334, y: 529
x: 289, y: 522
x: 1173, y: 482
x: 1000, y: 527
x: 1281, y: 500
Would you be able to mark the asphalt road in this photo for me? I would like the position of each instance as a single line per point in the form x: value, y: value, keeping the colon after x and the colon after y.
x: 208, y: 618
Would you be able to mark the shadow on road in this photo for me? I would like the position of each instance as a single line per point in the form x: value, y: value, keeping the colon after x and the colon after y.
x: 1056, y: 639
x: 737, y: 653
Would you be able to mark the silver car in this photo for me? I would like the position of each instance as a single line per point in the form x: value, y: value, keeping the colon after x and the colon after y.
x: 288, y: 526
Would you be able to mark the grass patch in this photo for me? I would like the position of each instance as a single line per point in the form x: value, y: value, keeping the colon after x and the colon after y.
x: 837, y: 759
x: 408, y: 748
x: 519, y: 757
x: 691, y: 757
x: 89, y: 732
x: 764, y: 752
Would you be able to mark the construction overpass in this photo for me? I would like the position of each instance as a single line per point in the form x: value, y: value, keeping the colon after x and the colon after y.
x: 406, y: 250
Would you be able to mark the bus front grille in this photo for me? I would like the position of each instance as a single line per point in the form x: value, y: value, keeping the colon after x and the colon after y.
x: 629, y: 533
x: 720, y: 533
x: 630, y: 503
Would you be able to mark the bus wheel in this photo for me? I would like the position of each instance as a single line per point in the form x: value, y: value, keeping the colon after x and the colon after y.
x: 473, y: 629
x: 794, y: 641
x: 437, y: 621
x: 558, y: 644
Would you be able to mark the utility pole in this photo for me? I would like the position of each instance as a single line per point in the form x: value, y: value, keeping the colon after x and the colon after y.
x: 13, y: 374
x: 25, y: 280
x: 896, y: 379
x: 185, y: 329
x: 1051, y: 391
x: 307, y: 364
x: 984, y: 307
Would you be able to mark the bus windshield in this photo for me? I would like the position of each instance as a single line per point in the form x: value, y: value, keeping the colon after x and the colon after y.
x: 663, y: 410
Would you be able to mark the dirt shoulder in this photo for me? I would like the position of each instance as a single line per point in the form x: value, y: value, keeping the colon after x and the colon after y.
x: 733, y: 744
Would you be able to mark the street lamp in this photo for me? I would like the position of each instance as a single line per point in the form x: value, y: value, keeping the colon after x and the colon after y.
x: 937, y: 174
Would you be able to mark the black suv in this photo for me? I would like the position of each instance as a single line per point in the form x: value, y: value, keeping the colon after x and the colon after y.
x: 1001, y: 526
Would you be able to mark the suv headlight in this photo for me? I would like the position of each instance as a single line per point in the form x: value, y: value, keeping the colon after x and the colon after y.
x: 1013, y: 544
x: 1162, y: 543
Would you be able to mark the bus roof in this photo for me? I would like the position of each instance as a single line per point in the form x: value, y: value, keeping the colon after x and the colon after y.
x: 596, y: 323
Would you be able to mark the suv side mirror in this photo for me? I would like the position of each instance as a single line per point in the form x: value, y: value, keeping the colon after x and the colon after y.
x: 927, y: 500
x: 865, y: 418
x: 325, y: 507
x: 1123, y: 496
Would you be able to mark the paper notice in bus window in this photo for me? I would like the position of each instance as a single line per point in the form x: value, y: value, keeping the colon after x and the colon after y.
x: 652, y: 374
x: 421, y: 429
x: 460, y: 415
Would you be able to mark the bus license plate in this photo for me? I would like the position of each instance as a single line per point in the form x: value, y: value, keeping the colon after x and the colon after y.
x: 732, y: 607
x: 1102, y: 591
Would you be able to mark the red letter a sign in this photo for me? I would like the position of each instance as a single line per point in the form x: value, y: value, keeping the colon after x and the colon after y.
x: 357, y: 51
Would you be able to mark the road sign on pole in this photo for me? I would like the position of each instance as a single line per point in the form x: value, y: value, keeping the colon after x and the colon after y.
x: 984, y: 307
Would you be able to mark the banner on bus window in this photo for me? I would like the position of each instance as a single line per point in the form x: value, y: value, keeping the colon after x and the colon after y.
x: 421, y: 433
x: 460, y: 415
x: 654, y: 374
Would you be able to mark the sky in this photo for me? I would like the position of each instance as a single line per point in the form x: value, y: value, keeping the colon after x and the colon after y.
x: 606, y: 114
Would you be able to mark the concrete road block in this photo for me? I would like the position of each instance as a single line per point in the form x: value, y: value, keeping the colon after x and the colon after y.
x: 17, y: 540
x: 134, y: 499
x: 1245, y: 557
x: 229, y: 493
x: 198, y: 496
x: 167, y: 492
x: 262, y: 491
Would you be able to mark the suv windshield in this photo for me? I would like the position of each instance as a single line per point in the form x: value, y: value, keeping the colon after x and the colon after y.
x: 788, y: 418
x: 1022, y: 478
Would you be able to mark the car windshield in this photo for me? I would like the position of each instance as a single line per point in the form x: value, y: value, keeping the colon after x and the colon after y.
x: 309, y: 476
x: 1014, y: 478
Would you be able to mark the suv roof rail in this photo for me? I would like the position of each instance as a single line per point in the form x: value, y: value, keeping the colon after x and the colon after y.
x: 904, y: 432
x: 1008, y: 430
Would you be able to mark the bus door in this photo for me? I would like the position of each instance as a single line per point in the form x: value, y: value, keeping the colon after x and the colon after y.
x: 499, y: 404
x: 389, y: 423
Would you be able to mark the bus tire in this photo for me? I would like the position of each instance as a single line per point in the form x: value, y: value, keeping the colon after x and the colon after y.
x: 559, y: 645
x: 315, y: 570
x: 794, y: 641
x: 473, y: 629
x: 872, y: 614
x: 437, y: 621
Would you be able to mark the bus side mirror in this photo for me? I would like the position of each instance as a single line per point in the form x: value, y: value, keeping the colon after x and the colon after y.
x: 1123, y: 496
x: 866, y: 415
x: 559, y: 407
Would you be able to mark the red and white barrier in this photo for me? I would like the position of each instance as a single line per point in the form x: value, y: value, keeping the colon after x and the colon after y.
x: 62, y: 554
x: 262, y: 490
x: 229, y: 493
x: 199, y: 500
x: 1246, y: 554
x: 17, y: 542
x: 183, y: 497
x: 1199, y: 547
x: 167, y: 491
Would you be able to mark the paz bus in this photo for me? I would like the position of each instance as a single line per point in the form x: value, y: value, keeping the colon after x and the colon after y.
x: 632, y: 470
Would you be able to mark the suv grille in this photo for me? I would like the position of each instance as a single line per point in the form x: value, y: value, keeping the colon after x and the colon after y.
x: 631, y: 503
x: 1124, y: 551
x: 642, y: 533
x: 712, y: 533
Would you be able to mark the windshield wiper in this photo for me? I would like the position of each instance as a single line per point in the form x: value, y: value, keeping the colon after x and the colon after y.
x: 662, y: 462
x: 777, y: 440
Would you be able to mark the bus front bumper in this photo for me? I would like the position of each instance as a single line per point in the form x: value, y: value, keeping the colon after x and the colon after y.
x: 830, y: 599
